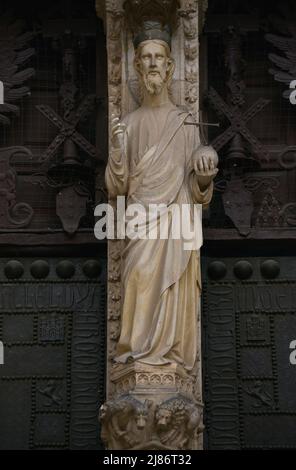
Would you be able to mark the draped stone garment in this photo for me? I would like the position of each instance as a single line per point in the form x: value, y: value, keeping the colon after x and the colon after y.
x: 160, y: 279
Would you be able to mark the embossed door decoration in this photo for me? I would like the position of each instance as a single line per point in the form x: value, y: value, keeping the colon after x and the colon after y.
x: 249, y: 321
x: 52, y: 287
x: 53, y: 329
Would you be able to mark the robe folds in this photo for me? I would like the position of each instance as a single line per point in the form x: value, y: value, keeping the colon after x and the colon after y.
x: 161, y: 279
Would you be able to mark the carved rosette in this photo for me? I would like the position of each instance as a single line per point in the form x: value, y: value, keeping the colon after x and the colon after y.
x: 161, y: 407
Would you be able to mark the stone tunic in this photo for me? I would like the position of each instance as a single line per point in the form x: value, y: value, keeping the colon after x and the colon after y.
x: 160, y: 279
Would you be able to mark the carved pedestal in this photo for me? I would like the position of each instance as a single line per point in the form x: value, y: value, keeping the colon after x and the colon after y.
x: 152, y: 408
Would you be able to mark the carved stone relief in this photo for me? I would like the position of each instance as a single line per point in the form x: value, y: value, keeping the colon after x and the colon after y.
x: 128, y: 423
x: 14, y: 55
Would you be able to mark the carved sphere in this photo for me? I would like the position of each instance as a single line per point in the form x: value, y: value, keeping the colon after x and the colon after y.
x: 14, y: 269
x: 217, y: 270
x: 243, y: 270
x: 91, y: 268
x: 208, y: 151
x: 270, y: 269
x: 39, y: 269
x: 65, y: 269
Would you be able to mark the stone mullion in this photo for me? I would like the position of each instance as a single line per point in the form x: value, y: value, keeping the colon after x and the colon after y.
x: 121, y: 96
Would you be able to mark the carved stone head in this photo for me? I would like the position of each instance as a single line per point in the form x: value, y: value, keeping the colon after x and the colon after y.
x: 163, y: 418
x: 154, y: 65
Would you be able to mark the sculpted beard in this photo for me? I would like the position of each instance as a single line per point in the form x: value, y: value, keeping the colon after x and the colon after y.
x: 154, y: 83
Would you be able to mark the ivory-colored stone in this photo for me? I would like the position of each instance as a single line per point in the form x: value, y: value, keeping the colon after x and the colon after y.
x: 153, y: 382
x: 155, y: 349
x: 156, y: 159
x: 152, y: 408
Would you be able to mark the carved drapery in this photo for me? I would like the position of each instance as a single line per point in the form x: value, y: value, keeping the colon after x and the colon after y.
x: 169, y: 422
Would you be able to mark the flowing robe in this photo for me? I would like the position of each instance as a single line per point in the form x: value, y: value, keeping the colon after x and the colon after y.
x: 160, y: 279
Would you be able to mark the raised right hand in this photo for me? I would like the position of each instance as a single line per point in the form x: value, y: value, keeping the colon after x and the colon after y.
x: 117, y: 133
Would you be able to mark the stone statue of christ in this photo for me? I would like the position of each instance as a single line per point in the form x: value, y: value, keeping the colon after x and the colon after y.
x: 156, y: 158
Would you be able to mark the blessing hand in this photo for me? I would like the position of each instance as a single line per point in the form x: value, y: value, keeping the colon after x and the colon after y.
x: 117, y: 133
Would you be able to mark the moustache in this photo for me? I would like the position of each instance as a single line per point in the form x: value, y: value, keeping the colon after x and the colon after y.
x: 154, y: 84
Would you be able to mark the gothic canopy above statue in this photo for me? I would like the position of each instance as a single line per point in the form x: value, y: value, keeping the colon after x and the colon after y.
x: 164, y: 11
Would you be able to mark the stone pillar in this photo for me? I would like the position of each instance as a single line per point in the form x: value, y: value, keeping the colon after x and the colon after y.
x: 149, y: 407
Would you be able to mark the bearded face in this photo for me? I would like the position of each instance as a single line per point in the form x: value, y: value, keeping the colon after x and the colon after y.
x: 154, y: 64
x: 153, y: 82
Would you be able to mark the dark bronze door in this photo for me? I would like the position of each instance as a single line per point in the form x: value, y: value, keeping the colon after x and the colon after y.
x: 52, y: 317
x: 52, y: 269
x: 249, y: 272
x: 249, y: 323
